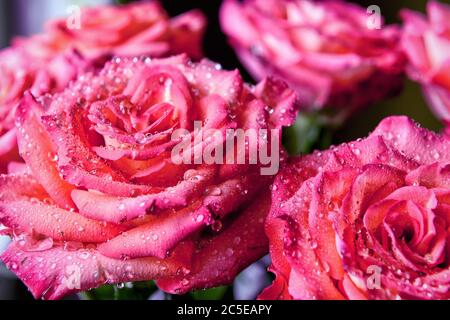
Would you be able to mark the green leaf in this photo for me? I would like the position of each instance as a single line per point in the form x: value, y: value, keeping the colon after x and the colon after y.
x: 210, y: 294
x: 309, y: 132
x: 126, y: 291
x: 124, y: 1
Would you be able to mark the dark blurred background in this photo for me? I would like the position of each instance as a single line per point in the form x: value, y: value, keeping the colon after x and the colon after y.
x: 25, y: 17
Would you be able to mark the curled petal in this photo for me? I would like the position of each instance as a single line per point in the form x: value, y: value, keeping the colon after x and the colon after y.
x: 228, y: 84
x: 281, y: 101
x: 157, y: 237
x: 54, y: 222
x: 434, y: 175
x: 55, y: 273
x: 278, y: 290
x: 403, y: 134
x: 113, y: 209
x: 36, y: 148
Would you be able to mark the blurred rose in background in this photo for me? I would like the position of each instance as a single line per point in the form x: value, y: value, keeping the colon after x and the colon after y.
x: 426, y: 41
x: 326, y: 51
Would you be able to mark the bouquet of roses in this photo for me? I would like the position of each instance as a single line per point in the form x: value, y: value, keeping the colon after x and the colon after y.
x: 128, y: 156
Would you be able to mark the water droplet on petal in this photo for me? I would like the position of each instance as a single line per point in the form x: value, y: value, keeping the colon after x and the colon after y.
x: 216, y: 226
x: 215, y: 191
x: 84, y: 255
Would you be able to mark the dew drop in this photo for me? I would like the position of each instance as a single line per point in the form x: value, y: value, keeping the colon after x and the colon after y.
x: 120, y: 285
x: 84, y: 255
x: 140, y: 138
x: 216, y: 226
x: 436, y: 155
x: 215, y: 191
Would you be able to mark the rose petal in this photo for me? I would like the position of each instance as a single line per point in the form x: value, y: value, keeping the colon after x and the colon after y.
x: 221, y: 257
x: 14, y: 187
x: 435, y: 175
x: 55, y: 273
x: 159, y: 236
x: 36, y: 148
x: 8, y: 142
x: 18, y: 168
x: 187, y: 33
x: 403, y: 134
x: 280, y: 99
x: 113, y: 209
x: 54, y: 222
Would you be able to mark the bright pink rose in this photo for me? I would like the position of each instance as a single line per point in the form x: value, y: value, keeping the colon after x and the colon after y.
x: 426, y: 42
x: 368, y: 219
x: 106, y: 200
x: 21, y: 72
x: 324, y: 50
x: 128, y: 30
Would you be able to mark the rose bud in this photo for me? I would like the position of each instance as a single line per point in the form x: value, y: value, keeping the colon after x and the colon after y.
x: 330, y: 52
x: 426, y: 42
x: 107, y: 200
x: 368, y: 219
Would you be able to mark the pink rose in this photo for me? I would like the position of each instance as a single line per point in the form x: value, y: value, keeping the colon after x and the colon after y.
x: 368, y: 219
x: 107, y: 202
x: 426, y: 42
x: 324, y: 50
x: 128, y: 30
x: 13, y: 83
